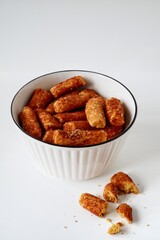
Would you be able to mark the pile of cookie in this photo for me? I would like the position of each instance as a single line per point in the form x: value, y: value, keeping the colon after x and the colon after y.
x: 120, y: 183
x: 69, y: 114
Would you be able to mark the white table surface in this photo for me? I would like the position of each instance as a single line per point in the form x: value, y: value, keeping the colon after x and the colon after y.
x: 117, y: 38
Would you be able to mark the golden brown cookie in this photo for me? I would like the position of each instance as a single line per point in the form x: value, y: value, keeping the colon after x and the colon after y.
x: 40, y: 99
x: 124, y: 183
x: 79, y: 137
x: 95, y: 112
x: 67, y: 86
x: 93, y: 204
x: 110, y: 193
x: 115, y: 111
x: 47, y: 120
x: 113, y: 131
x: 29, y: 122
x: 70, y: 116
x: 48, y: 136
x: 125, y: 211
x: 50, y: 108
x: 73, y: 125
x: 73, y: 100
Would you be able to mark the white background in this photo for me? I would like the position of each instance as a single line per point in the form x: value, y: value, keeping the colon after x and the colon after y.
x: 120, y: 38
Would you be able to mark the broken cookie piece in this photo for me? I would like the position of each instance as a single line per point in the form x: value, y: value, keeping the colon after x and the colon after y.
x: 124, y: 183
x: 110, y: 193
x: 125, y: 211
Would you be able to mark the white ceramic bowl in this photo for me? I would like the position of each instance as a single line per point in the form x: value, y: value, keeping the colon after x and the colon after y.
x: 76, y: 163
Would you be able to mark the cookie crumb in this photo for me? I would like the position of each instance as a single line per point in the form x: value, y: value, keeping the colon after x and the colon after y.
x: 108, y: 219
x: 115, y: 228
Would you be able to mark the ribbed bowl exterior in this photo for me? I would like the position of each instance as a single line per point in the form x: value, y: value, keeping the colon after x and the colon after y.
x: 74, y: 164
